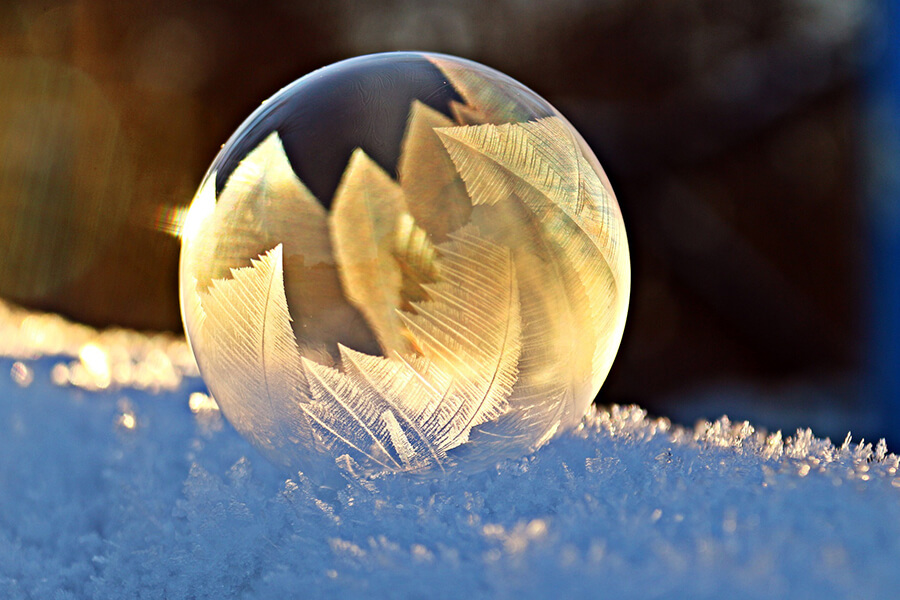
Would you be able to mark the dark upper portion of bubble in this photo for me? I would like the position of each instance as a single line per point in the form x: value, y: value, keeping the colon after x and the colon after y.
x: 323, y: 117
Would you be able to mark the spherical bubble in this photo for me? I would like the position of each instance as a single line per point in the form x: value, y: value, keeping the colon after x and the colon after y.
x: 404, y: 262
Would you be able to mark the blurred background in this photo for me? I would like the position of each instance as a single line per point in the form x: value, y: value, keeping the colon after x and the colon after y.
x: 752, y: 145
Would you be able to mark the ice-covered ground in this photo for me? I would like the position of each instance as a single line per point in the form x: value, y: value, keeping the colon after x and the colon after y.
x: 127, y: 493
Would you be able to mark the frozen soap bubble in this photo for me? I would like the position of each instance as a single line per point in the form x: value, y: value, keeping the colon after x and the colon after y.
x: 404, y: 262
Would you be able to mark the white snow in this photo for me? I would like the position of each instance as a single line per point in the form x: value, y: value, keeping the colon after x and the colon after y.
x: 121, y: 493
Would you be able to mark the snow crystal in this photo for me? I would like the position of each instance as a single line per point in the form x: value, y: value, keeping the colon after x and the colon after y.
x: 130, y: 494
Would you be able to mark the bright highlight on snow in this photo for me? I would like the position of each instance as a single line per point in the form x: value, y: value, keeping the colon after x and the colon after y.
x: 404, y: 262
x: 91, y: 359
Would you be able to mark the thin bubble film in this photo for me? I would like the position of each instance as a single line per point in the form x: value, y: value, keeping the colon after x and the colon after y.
x: 404, y: 262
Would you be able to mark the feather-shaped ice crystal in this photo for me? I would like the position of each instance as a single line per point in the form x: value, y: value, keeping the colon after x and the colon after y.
x: 404, y: 262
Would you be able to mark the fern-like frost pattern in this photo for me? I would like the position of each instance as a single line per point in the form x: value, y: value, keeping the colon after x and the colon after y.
x: 461, y: 309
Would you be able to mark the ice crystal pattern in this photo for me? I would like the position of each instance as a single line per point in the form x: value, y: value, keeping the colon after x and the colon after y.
x: 461, y: 312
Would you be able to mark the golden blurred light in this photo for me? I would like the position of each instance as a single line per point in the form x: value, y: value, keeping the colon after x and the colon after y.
x: 21, y: 374
x: 202, y: 207
x: 171, y: 219
x: 205, y: 408
x: 59, y: 376
x: 112, y: 358
x: 127, y: 420
x: 96, y: 363
x: 200, y: 402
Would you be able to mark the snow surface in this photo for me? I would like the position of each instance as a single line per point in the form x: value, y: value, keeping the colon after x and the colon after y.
x: 127, y: 494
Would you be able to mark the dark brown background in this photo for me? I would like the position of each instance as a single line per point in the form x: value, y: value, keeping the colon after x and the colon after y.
x: 728, y: 128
